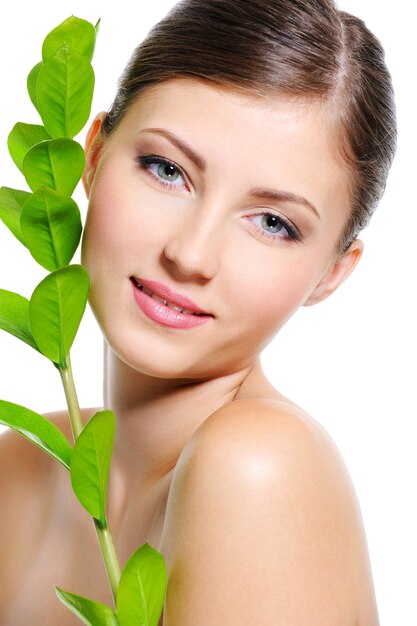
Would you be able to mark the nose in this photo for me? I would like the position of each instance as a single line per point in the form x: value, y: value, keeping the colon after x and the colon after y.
x: 195, y: 247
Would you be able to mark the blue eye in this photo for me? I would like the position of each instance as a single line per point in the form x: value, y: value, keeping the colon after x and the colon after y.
x: 167, y: 171
x: 163, y: 171
x: 271, y: 223
x: 272, y: 226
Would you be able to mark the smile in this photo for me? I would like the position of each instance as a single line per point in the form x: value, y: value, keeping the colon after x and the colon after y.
x: 170, y: 305
x: 165, y: 307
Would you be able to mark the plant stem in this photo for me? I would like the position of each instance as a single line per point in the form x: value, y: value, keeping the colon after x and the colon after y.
x: 109, y: 557
x: 105, y: 539
x: 72, y: 400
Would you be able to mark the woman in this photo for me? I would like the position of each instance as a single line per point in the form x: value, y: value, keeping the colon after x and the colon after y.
x: 246, y: 148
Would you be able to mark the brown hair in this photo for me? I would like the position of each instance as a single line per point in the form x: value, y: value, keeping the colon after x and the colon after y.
x: 293, y: 48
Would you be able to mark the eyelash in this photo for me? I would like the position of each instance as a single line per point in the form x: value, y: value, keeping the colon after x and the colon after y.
x: 146, y: 161
x: 293, y: 234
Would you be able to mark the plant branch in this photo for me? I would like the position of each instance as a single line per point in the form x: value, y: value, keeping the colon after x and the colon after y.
x: 72, y: 399
x: 110, y: 559
x: 103, y: 533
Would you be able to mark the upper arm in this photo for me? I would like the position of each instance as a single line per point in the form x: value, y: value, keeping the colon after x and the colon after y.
x: 23, y: 470
x: 28, y: 482
x: 262, y: 527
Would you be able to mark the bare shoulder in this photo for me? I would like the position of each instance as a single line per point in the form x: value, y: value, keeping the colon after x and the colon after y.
x: 24, y: 463
x: 19, y: 456
x: 263, y: 525
x: 18, y: 453
x: 21, y: 459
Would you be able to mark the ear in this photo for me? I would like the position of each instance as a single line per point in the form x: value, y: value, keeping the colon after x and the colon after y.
x: 93, y: 145
x: 343, y: 265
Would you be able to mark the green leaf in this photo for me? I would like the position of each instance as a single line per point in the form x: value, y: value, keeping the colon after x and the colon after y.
x: 12, y: 202
x: 75, y: 33
x: 142, y: 588
x: 14, y: 317
x: 37, y: 429
x: 64, y: 92
x: 31, y: 83
x: 22, y: 138
x: 55, y: 310
x: 51, y: 226
x: 57, y: 164
x: 90, y: 612
x: 90, y: 464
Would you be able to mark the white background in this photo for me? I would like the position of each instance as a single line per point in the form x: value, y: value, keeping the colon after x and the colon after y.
x: 354, y: 354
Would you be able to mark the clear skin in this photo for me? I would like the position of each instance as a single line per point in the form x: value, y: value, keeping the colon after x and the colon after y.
x: 209, y: 458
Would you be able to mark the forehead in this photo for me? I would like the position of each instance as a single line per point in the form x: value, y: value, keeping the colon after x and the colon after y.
x: 282, y: 141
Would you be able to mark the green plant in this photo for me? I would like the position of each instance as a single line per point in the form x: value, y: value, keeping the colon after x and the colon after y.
x: 47, y: 221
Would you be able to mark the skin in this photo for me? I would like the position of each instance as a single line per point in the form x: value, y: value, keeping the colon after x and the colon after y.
x: 243, y: 493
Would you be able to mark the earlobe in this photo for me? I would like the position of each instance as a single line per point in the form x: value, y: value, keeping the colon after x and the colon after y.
x: 342, y: 267
x: 93, y: 145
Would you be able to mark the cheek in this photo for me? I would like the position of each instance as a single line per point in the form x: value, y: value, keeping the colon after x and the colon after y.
x: 107, y: 229
x: 122, y: 219
x: 274, y: 290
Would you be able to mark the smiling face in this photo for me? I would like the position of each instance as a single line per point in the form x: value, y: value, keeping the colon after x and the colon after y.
x: 226, y: 207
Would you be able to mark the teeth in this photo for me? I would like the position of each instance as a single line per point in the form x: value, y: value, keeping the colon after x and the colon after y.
x: 158, y: 299
x: 165, y: 302
x: 174, y: 307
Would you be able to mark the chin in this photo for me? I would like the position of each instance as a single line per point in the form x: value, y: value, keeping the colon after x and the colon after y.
x: 155, y: 358
x: 161, y: 352
x: 182, y: 361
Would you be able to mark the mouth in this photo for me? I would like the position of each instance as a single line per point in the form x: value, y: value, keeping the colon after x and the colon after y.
x: 163, y: 295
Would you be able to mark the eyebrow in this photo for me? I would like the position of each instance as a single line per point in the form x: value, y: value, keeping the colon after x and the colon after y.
x: 257, y: 192
x: 283, y: 196
x: 181, y: 145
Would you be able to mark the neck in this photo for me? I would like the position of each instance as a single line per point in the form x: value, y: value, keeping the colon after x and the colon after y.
x: 156, y: 417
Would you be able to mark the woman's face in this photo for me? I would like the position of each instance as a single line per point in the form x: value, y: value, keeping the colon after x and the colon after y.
x: 232, y: 202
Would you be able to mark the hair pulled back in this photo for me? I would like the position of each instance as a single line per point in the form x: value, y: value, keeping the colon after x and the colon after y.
x: 287, y: 48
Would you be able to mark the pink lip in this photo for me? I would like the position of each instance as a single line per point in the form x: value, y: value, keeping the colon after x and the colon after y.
x: 165, y: 293
x: 163, y: 314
